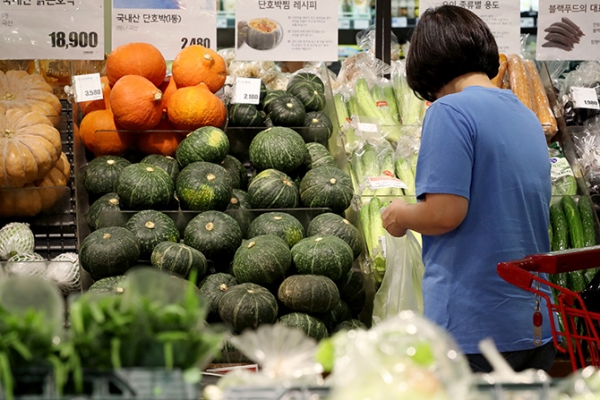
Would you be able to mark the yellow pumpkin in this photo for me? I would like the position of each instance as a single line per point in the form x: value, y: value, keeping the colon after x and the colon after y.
x: 21, y: 90
x: 32, y: 199
x: 29, y: 147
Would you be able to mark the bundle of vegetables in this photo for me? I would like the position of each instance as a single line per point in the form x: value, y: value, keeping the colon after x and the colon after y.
x: 572, y: 226
x: 372, y: 226
x: 563, y: 178
x: 141, y: 97
x: 31, y: 320
x: 156, y: 321
x: 523, y: 78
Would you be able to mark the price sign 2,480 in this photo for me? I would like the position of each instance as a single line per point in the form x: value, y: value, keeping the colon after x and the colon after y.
x: 191, y: 41
x: 74, y: 39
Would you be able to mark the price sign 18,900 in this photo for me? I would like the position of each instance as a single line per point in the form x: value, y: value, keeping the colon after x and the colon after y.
x: 74, y: 39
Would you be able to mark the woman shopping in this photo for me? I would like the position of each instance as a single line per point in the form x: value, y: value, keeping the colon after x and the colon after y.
x: 483, y: 185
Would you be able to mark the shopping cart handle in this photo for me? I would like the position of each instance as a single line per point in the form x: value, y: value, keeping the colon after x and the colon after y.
x: 514, y: 272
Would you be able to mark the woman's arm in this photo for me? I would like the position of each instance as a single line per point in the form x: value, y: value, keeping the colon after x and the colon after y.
x: 436, y: 214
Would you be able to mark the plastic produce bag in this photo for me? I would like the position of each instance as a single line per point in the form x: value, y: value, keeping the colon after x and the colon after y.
x: 401, y: 288
x: 583, y: 384
x: 405, y: 357
x: 587, y: 145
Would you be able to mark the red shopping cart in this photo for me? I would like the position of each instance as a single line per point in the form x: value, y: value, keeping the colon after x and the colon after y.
x: 579, y: 335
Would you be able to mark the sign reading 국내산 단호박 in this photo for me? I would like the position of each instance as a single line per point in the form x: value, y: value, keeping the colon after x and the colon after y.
x: 169, y: 25
x: 52, y: 29
x: 503, y: 17
x: 568, y: 30
x: 286, y: 30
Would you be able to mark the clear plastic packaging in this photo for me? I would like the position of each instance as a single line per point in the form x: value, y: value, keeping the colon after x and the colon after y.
x: 405, y: 357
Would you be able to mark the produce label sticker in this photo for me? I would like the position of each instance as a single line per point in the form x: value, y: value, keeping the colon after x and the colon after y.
x: 169, y: 25
x: 585, y: 98
x: 286, y: 30
x: 246, y: 90
x: 87, y: 87
x: 503, y: 17
x: 52, y: 29
x: 568, y: 30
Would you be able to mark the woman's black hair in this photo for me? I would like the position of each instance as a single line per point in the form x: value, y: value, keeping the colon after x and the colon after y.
x: 448, y: 41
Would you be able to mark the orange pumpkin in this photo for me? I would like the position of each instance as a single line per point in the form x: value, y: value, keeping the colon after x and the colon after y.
x: 136, y: 103
x: 103, y: 104
x: 167, y: 88
x: 100, y: 134
x: 163, y: 140
x: 198, y: 64
x: 136, y: 59
x: 192, y: 107
x: 29, y: 147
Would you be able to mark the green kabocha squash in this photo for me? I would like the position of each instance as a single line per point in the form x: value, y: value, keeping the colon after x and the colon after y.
x: 213, y: 287
x: 245, y: 115
x: 307, y: 77
x: 109, y: 252
x: 309, y: 293
x: 230, y: 354
x: 101, y: 174
x: 239, y: 208
x: 341, y: 312
x: 336, y: 225
x: 247, y: 306
x: 279, y: 148
x: 287, y: 111
x: 263, y: 260
x: 152, y: 227
x: 168, y: 163
x: 216, y: 235
x: 280, y: 224
x: 352, y: 291
x: 318, y: 156
x: 310, y: 325
x: 273, y: 189
x: 143, y: 186
x: 270, y: 96
x: 324, y: 255
x: 317, y: 127
x: 203, y: 186
x: 312, y: 98
x: 111, y: 285
x: 328, y: 187
x: 349, y: 325
x: 106, y: 211
x: 237, y: 172
x: 208, y: 144
x: 179, y: 259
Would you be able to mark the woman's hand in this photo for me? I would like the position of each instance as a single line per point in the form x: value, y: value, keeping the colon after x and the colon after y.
x: 392, y: 218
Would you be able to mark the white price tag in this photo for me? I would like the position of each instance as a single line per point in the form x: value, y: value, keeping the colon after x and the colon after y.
x: 361, y: 23
x: 343, y: 23
x: 585, y: 98
x: 87, y: 87
x: 246, y: 91
x: 221, y: 22
x: 399, y: 22
x: 527, y: 22
x: 368, y: 127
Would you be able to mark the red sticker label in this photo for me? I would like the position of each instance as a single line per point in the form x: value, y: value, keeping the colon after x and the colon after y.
x: 381, y: 103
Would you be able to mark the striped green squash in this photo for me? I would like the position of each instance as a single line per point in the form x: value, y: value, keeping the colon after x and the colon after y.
x: 168, y: 163
x: 152, y: 227
x: 247, y: 306
x: 109, y: 252
x: 208, y: 144
x: 336, y: 225
x: 142, y: 186
x: 309, y: 293
x: 349, y: 325
x: 323, y: 255
x: 273, y: 189
x: 318, y: 155
x: 278, y: 148
x: 203, y: 186
x: 263, y: 260
x: 213, y: 287
x: 179, y: 259
x: 311, y: 326
x: 101, y: 174
x: 284, y: 225
x: 237, y: 172
x: 216, y: 235
x: 328, y: 187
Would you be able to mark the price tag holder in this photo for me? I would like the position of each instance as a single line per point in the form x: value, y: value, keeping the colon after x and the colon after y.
x: 246, y: 91
x: 87, y: 87
x: 66, y: 30
x: 368, y: 127
x: 399, y: 22
x: 585, y: 98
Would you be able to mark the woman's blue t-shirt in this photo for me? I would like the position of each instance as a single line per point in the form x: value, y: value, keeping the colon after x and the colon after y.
x: 485, y: 145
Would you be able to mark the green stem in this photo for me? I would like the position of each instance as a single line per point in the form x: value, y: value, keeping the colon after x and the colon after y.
x: 7, y: 378
x: 169, y: 355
